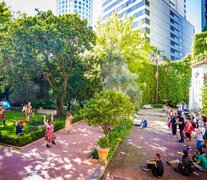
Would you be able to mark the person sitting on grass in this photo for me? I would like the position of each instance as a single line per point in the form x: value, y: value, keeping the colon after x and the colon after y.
x: 2, y: 117
x: 184, y: 167
x: 200, y: 161
x: 19, y: 125
x: 143, y: 123
x: 155, y: 166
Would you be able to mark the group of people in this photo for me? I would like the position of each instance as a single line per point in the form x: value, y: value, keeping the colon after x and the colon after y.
x: 189, y: 127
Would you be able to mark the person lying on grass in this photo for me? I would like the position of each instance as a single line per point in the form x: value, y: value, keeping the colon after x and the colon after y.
x: 155, y: 166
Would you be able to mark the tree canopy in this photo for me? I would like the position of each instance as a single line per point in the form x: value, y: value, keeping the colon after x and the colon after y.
x: 48, y: 44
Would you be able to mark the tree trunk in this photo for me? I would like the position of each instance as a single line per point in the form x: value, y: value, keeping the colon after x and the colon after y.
x: 157, y: 79
x: 60, y: 101
x: 59, y: 105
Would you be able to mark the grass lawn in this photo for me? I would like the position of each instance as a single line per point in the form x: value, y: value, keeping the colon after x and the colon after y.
x: 7, y: 133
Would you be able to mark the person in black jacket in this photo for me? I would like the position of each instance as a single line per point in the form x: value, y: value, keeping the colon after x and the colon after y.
x: 184, y: 167
x: 181, y: 124
x: 174, y: 123
x: 155, y: 166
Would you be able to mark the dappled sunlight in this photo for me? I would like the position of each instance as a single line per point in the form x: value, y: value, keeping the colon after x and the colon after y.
x: 68, y: 159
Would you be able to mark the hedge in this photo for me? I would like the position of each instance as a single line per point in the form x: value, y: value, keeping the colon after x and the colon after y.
x: 116, y: 136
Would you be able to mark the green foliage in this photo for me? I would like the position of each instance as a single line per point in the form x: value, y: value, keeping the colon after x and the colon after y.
x: 107, y: 109
x: 204, y: 100
x: 51, y: 44
x: 116, y: 135
x: 199, y: 46
x: 24, y: 92
x: 5, y: 13
x: 115, y: 75
x: 157, y: 105
x: 103, y: 142
x: 116, y: 38
x: 174, y: 81
x: 7, y: 133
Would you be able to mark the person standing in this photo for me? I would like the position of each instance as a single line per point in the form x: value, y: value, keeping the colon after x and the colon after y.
x: 174, y: 124
x: 2, y: 117
x: 49, y: 133
x: 188, y: 131
x: 68, y: 122
x: 200, y: 133
x: 181, y: 125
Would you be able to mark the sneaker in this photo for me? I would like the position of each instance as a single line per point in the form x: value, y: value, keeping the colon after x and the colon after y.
x: 48, y: 146
x: 146, y: 169
x: 180, y: 141
x: 54, y: 143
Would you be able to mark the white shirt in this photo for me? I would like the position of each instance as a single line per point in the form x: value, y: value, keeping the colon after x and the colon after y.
x: 200, y: 136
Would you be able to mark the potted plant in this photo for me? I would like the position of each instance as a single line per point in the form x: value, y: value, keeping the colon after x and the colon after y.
x: 103, y: 148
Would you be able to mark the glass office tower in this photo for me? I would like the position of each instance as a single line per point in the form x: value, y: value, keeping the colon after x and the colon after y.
x: 83, y: 7
x: 204, y: 14
x: 164, y: 22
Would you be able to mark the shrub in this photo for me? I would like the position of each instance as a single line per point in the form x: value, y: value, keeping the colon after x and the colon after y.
x: 116, y: 136
x: 107, y: 109
x: 157, y: 105
x: 103, y: 142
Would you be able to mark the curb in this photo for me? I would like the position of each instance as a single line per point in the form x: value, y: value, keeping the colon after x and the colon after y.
x: 22, y: 147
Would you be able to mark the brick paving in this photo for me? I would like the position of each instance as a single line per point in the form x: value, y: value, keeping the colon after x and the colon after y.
x: 68, y: 159
x: 142, y: 145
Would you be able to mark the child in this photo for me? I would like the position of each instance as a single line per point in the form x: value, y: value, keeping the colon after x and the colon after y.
x: 200, y: 134
x: 68, y: 122
x: 49, y: 133
x: 2, y: 117
x: 19, y: 126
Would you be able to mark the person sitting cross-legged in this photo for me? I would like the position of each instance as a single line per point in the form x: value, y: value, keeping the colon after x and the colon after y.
x: 184, y: 167
x: 201, y: 161
x: 155, y: 166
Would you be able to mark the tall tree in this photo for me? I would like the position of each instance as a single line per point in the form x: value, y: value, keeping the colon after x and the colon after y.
x: 51, y: 44
x: 5, y: 13
x: 116, y: 38
x: 157, y: 55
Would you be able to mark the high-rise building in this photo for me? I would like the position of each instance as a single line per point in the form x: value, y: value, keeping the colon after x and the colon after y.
x: 83, y: 7
x: 164, y: 22
x: 204, y: 14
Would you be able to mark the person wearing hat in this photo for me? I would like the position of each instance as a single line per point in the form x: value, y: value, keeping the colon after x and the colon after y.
x: 155, y: 166
x: 184, y: 167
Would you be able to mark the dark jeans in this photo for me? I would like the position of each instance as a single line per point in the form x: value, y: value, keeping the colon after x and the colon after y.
x: 181, y: 135
x: 174, y: 129
x: 153, y: 169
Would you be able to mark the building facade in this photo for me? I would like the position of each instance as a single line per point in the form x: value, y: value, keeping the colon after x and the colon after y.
x: 164, y: 22
x: 83, y: 7
x: 204, y: 14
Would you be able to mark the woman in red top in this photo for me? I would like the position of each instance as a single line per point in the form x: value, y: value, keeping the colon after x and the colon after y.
x: 188, y: 131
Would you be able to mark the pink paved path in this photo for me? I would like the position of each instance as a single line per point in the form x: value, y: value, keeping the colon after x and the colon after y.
x: 68, y: 159
x: 143, y: 144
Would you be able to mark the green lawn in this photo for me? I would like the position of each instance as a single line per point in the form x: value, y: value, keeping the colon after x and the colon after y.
x: 7, y: 133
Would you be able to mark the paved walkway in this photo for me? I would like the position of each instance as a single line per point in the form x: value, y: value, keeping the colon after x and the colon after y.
x: 143, y: 144
x: 68, y: 159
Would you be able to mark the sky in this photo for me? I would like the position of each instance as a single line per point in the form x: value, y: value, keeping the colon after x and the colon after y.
x: 28, y: 6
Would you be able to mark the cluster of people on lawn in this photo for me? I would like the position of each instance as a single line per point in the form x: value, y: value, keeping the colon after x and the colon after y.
x: 189, y: 127
x: 49, y: 123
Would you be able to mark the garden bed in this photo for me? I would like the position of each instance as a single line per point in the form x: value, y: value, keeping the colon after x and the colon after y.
x: 8, y: 136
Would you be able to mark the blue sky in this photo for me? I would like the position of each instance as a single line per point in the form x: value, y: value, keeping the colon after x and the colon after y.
x: 28, y: 6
